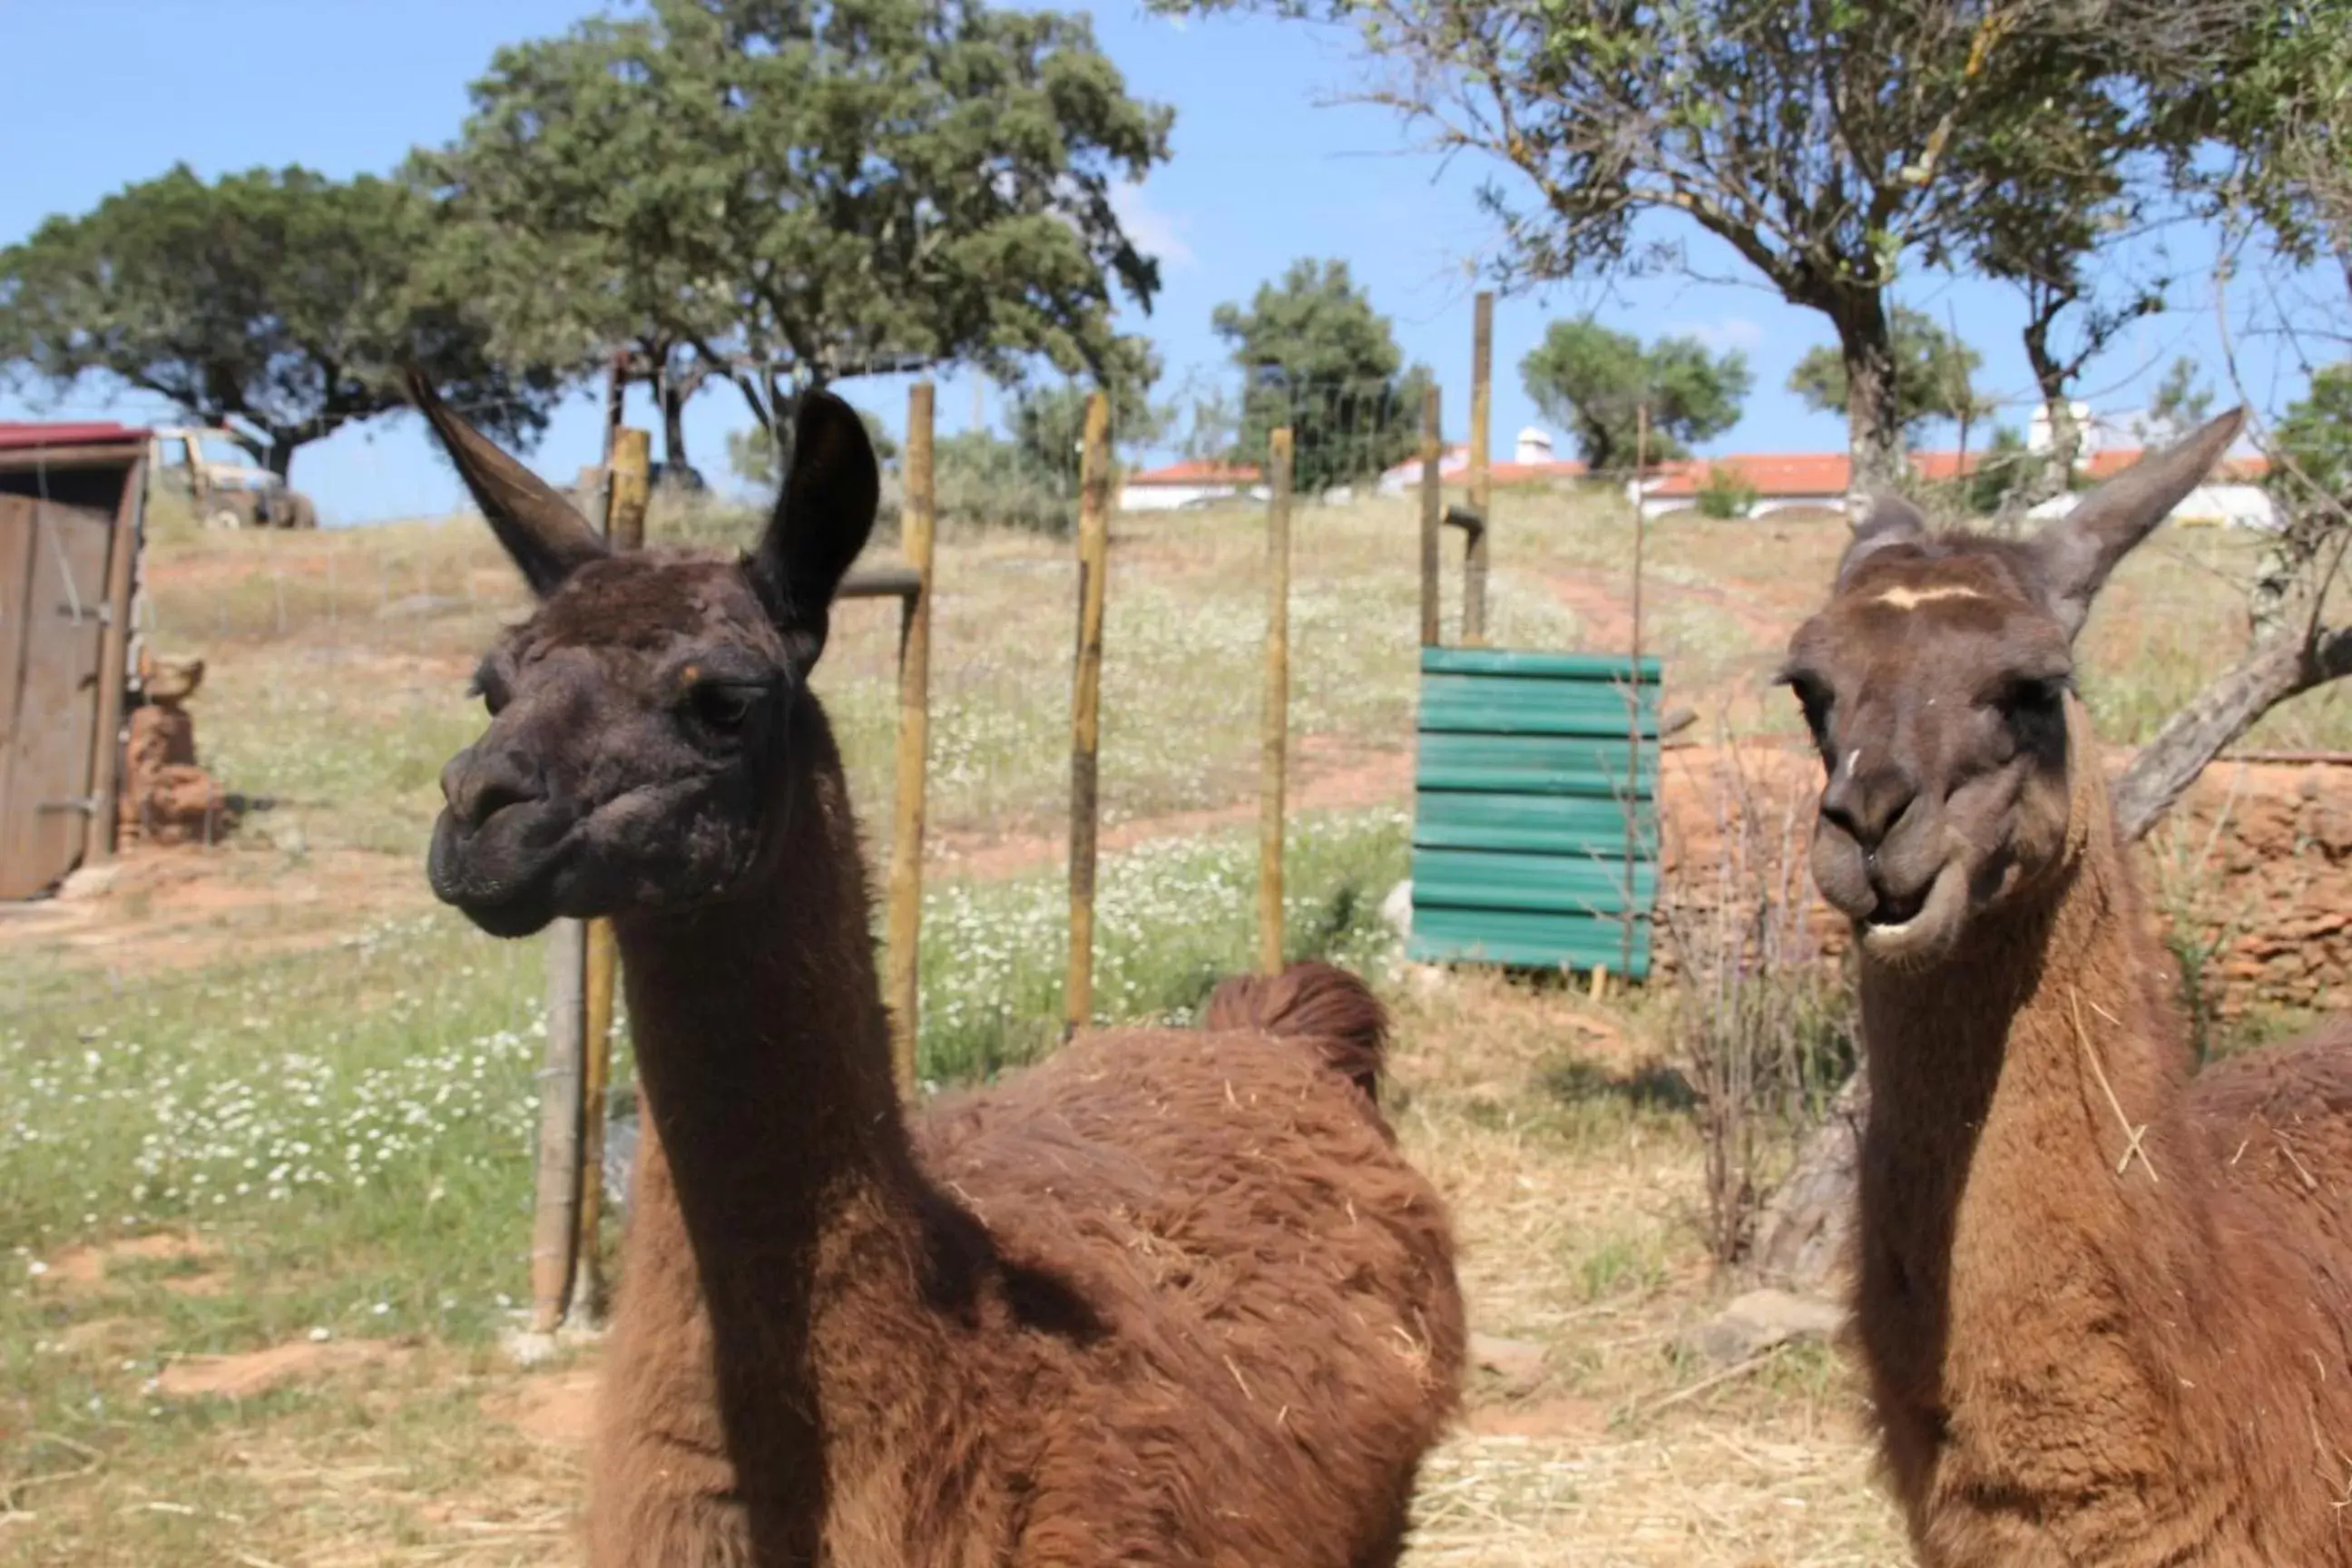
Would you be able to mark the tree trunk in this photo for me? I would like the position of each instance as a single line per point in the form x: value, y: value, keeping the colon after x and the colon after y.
x: 1872, y: 416
x: 673, y: 406
x: 280, y: 457
x: 1804, y: 1240
x: 2056, y: 475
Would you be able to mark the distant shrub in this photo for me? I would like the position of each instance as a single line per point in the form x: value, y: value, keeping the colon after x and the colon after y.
x: 1725, y: 493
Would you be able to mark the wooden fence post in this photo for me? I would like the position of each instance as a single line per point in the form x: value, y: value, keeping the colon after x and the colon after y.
x: 1085, y: 711
x: 1433, y: 514
x: 1274, y: 723
x: 1482, y: 488
x: 630, y: 488
x: 903, y: 976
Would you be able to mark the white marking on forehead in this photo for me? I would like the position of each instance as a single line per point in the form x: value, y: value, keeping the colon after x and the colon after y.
x: 1853, y: 759
x: 1903, y: 598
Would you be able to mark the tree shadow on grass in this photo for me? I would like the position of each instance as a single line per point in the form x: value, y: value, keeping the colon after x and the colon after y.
x: 1653, y: 1086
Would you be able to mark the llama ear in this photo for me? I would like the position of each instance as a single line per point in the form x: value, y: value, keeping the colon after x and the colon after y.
x: 823, y: 513
x: 1891, y: 520
x: 547, y: 539
x: 2078, y: 551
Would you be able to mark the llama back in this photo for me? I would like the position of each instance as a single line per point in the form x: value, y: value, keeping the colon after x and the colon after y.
x: 1315, y: 1003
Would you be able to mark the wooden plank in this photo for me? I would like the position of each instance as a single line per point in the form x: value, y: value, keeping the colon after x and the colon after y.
x: 49, y: 760
x: 1533, y: 764
x: 113, y: 665
x: 1602, y: 666
x: 1529, y: 941
x: 1506, y: 706
x: 1541, y: 884
x: 16, y: 591
x: 1533, y: 824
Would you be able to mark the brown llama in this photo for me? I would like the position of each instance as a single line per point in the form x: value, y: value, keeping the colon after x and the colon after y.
x: 2105, y: 1308
x: 1172, y: 1297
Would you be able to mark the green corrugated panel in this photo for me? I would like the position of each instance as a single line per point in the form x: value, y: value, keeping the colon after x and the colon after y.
x: 1581, y: 666
x: 1526, y: 780
x: 1541, y: 884
x: 1517, y: 705
x: 1527, y: 942
x: 1535, y: 764
x: 1546, y: 824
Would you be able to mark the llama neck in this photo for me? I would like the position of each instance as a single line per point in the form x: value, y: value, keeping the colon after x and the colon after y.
x: 780, y: 1211
x: 2007, y: 1087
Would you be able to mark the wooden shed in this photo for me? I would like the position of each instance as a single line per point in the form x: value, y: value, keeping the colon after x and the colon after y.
x: 70, y: 515
x: 1535, y: 833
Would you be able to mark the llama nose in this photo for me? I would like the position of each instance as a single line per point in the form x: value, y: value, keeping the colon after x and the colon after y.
x: 479, y: 784
x: 1866, y: 806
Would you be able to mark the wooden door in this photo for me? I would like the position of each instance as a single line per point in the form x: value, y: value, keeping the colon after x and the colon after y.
x: 53, y: 611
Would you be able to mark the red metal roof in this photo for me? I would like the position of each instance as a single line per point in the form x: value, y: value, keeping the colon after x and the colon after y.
x: 1198, y: 471
x: 18, y: 435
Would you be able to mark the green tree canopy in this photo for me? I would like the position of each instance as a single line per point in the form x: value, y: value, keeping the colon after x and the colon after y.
x: 1934, y: 374
x: 1826, y: 145
x: 276, y: 304
x: 1315, y: 355
x: 802, y: 190
x: 1592, y: 382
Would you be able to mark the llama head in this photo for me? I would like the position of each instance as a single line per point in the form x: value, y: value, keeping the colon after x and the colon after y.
x: 636, y: 754
x: 1937, y: 683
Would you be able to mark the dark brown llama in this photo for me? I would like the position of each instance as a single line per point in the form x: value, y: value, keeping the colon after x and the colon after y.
x: 1171, y: 1298
x: 2105, y: 1308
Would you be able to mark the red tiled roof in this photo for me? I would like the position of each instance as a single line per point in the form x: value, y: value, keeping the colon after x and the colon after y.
x: 17, y: 435
x: 1825, y: 474
x: 1514, y: 473
x: 1198, y: 471
x: 1771, y: 473
x: 2110, y: 461
x: 1937, y: 466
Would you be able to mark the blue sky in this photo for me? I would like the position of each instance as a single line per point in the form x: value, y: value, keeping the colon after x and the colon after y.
x: 1262, y: 173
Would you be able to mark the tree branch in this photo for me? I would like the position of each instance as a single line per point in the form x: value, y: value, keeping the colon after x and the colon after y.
x: 2217, y: 716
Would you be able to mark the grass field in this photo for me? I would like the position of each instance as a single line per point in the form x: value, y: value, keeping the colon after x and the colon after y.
x: 266, y: 1110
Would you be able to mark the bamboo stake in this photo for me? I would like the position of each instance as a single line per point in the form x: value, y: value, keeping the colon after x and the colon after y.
x: 555, y: 1221
x: 1433, y: 513
x: 903, y: 986
x: 1275, y: 732
x: 627, y: 490
x: 1633, y: 702
x: 1086, y: 700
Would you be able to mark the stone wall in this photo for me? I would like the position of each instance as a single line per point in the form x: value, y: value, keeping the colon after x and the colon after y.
x: 2255, y: 864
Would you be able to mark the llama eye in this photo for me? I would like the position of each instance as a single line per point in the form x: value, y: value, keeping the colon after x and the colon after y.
x: 490, y: 689
x: 1813, y: 698
x: 722, y: 707
x: 2031, y: 699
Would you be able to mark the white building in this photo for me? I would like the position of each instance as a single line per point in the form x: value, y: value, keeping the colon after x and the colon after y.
x: 1192, y: 482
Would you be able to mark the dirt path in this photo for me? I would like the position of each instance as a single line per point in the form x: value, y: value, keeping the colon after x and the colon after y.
x: 172, y: 909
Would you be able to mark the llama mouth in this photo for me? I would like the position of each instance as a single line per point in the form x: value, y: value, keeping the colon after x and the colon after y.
x: 1917, y: 927
x: 505, y: 893
x: 1896, y: 913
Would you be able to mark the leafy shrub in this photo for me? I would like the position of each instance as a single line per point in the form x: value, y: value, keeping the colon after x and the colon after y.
x: 1725, y: 493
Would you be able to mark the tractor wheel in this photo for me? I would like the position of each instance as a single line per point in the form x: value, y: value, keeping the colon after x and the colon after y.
x: 296, y: 510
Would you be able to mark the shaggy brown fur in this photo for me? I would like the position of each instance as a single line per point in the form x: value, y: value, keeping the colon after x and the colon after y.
x: 1313, y: 1001
x: 1171, y: 1298
x: 2106, y: 1310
